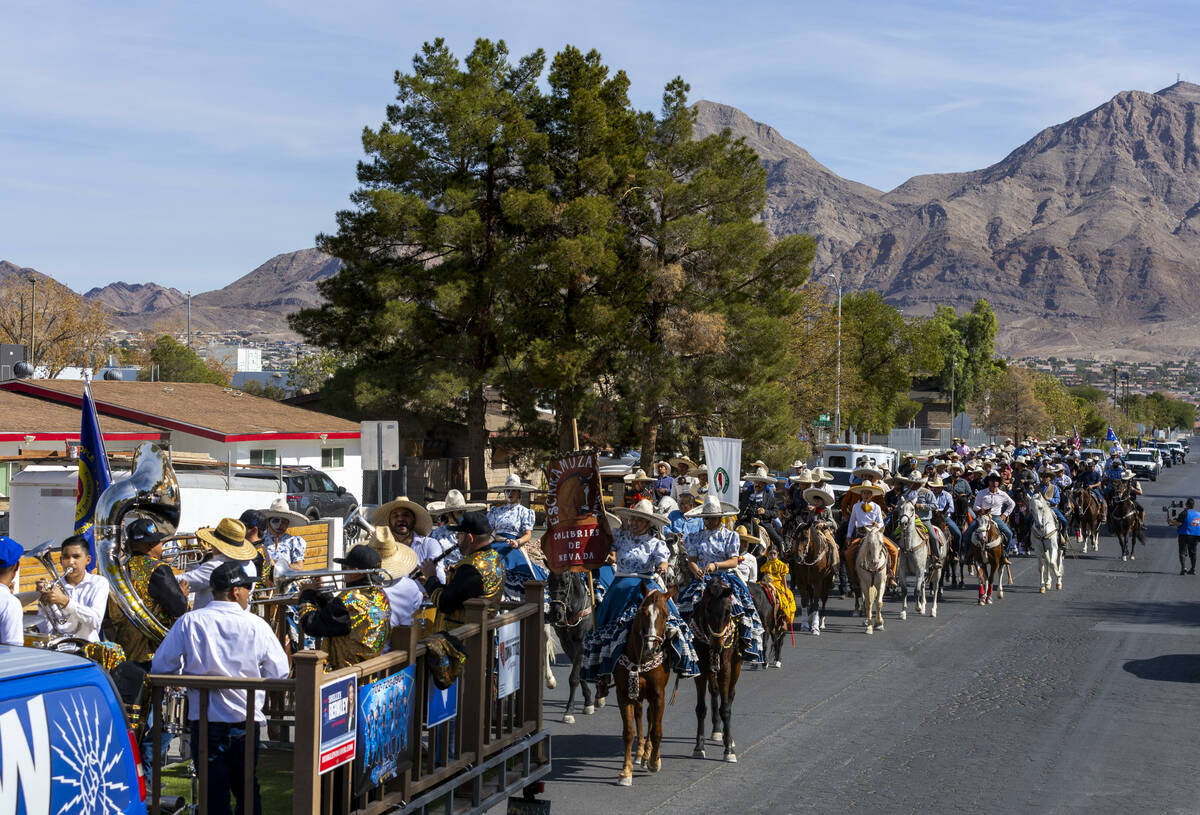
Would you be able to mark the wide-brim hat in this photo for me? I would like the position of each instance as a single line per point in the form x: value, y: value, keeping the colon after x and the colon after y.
x: 913, y: 481
x: 822, y: 475
x: 867, y: 487
x: 712, y: 507
x: 667, y: 505
x: 685, y: 461
x: 954, y: 465
x: 934, y: 482
x: 643, y: 510
x: 638, y: 475
x: 513, y: 482
x: 819, y: 492
x: 398, y: 559
x: 745, y: 536
x: 799, y: 464
x: 229, y: 538
x: 805, y: 476
x: 279, y: 509
x: 663, y: 463
x: 455, y: 502
x: 868, y: 473
x: 760, y: 476
x: 759, y: 464
x: 422, y: 521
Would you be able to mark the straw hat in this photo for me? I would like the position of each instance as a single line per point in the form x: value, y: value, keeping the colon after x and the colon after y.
x: 868, y: 473
x: 685, y: 461
x: 399, y: 560
x: 746, y: 537
x: 614, y: 522
x: 455, y: 502
x: 229, y: 538
x: 805, y: 476
x: 513, y: 482
x: 822, y: 475
x: 758, y: 465
x: 666, y: 464
x: 868, y: 487
x: 638, y: 475
x: 667, y: 505
x: 913, y: 481
x: 643, y: 510
x: 760, y: 476
x: 279, y: 509
x: 819, y: 492
x: 935, y: 482
x: 422, y: 522
x: 799, y: 464
x: 712, y: 507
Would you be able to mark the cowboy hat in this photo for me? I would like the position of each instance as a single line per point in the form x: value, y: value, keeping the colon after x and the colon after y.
x: 819, y: 492
x: 868, y: 487
x: 643, y: 510
x: 685, y: 461
x: 399, y: 560
x: 917, y: 480
x: 798, y: 464
x: 821, y: 474
x: 637, y: 475
x: 422, y: 522
x: 455, y: 502
x: 868, y: 473
x: 513, y: 482
x: 934, y: 482
x: 805, y: 476
x: 229, y: 538
x: 760, y: 476
x: 759, y: 464
x: 712, y: 507
x: 666, y: 464
x: 280, y: 509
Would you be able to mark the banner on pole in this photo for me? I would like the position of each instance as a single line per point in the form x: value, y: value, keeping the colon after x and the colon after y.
x: 577, y: 534
x: 723, y: 457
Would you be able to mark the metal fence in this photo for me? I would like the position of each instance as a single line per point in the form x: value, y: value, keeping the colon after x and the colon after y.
x: 502, y: 734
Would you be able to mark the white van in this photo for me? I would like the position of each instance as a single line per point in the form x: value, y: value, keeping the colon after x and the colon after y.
x: 839, y: 460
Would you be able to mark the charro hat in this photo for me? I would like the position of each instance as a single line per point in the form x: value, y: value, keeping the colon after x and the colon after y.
x: 513, y: 482
x: 229, y: 538
x: 745, y: 536
x: 935, y: 483
x: 868, y: 487
x: 667, y: 505
x: 712, y: 507
x: 760, y: 476
x: 455, y: 502
x: 279, y: 509
x: 805, y: 476
x: 422, y: 522
x: 685, y: 461
x: 758, y: 464
x: 662, y: 463
x: 643, y: 510
x: 819, y: 492
x: 871, y: 473
x: 397, y: 558
x: 822, y: 475
x: 638, y: 475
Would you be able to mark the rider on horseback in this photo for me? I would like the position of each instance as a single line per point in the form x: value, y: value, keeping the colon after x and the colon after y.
x: 944, y: 503
x: 867, y: 513
x: 1053, y: 496
x: 1089, y: 479
x: 999, y: 504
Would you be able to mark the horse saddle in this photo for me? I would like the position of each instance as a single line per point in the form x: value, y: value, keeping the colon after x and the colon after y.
x: 987, y: 544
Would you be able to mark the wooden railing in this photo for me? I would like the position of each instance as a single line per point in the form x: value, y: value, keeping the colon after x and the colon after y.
x: 484, y: 727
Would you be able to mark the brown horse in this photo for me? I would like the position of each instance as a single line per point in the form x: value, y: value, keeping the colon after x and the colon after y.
x: 1125, y: 521
x: 641, y: 676
x: 988, y: 550
x: 814, y: 566
x: 720, y: 660
x: 1086, y: 509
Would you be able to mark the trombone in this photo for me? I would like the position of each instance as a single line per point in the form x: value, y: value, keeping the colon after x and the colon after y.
x: 330, y: 581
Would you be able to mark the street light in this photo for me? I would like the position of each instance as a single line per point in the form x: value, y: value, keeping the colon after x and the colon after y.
x: 837, y: 413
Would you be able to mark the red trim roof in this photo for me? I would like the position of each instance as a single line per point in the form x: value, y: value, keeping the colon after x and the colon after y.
x: 75, y: 437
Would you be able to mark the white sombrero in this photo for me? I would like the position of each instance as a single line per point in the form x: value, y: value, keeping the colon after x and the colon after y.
x: 636, y: 476
x: 868, y: 487
x: 279, y: 509
x: 643, y: 510
x: 819, y: 492
x: 821, y: 474
x: 712, y: 507
x: 760, y: 476
x: 422, y: 522
x: 455, y: 502
x: 685, y: 461
x: 513, y: 482
x: 805, y: 476
x: 935, y: 482
x: 869, y: 473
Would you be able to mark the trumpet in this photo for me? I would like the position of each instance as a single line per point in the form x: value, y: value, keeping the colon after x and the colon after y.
x: 329, y: 580
x: 184, y: 552
x: 55, y: 615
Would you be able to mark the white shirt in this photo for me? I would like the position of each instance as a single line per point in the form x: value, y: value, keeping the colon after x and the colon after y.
x: 747, y: 568
x: 682, y: 484
x: 428, y: 548
x: 404, y: 596
x: 12, y: 621
x: 85, y: 610
x: 199, y: 576
x: 861, y: 518
x: 999, y: 502
x: 222, y: 639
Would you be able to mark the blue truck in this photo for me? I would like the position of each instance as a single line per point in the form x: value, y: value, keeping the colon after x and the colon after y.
x: 65, y: 744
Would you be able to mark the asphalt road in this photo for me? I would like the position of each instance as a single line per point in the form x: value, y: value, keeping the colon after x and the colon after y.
x: 1077, y: 700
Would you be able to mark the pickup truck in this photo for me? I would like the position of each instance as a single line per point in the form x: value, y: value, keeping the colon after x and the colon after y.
x: 1145, y: 462
x: 65, y: 745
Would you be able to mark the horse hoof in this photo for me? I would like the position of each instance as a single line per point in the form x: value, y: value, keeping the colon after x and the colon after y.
x: 1123, y: 558
x: 717, y: 735
x: 879, y: 627
x: 551, y: 682
x: 625, y: 781
x: 868, y: 629
x: 698, y: 753
x: 731, y: 758
x: 816, y: 632
x: 933, y: 612
x: 1043, y: 589
x: 654, y: 766
x: 903, y: 615
x: 1059, y: 586
x: 1133, y: 557
x: 589, y: 710
x: 601, y: 701
x: 989, y: 601
x: 568, y: 719
x: 778, y: 664
x: 982, y: 602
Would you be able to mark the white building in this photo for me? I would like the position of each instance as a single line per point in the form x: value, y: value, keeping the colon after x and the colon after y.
x: 238, y: 357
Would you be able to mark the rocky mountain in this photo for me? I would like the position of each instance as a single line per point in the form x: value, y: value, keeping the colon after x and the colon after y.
x: 1086, y: 239
x: 136, y: 297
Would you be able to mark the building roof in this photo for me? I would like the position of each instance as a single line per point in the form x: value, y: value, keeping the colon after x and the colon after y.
x: 209, y: 411
x: 22, y: 416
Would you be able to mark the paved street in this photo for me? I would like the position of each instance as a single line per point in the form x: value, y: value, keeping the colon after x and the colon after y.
x: 1078, y: 700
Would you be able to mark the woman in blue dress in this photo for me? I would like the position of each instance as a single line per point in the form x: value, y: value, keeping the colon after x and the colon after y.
x: 641, y: 555
x: 512, y: 529
x: 713, y: 554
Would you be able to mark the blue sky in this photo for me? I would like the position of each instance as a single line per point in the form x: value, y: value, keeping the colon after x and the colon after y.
x: 186, y: 143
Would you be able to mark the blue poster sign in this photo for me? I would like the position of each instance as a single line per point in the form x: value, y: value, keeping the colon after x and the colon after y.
x: 442, y: 705
x: 384, y: 732
x: 338, y: 715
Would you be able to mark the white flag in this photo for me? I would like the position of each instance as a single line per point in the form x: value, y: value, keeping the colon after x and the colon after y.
x: 723, y: 458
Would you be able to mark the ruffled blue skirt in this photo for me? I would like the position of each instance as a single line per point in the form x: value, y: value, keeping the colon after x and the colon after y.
x: 605, y: 643
x: 750, y: 627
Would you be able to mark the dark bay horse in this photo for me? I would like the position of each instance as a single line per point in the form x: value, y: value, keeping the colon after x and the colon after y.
x: 1086, y: 510
x: 814, y: 565
x: 641, y: 676
x: 571, y: 615
x: 716, y: 633
x: 1124, y: 520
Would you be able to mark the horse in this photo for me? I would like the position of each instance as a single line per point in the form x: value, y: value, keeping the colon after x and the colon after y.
x: 1125, y: 521
x: 716, y: 635
x: 871, y: 566
x: 571, y: 615
x: 1044, y: 529
x: 1085, y: 515
x: 678, y: 572
x: 988, y: 547
x: 914, y: 556
x: 775, y: 622
x: 641, y: 676
x: 939, y: 556
x: 813, y: 571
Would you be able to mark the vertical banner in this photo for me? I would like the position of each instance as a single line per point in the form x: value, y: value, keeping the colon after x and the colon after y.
x: 508, y: 659
x: 94, y: 477
x: 577, y: 537
x: 339, y: 712
x: 384, y: 715
x: 723, y: 457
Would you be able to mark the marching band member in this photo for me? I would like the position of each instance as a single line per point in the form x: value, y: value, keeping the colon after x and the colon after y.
x: 12, y: 621
x: 256, y: 523
x: 224, y: 639
x: 277, y: 543
x: 641, y: 557
x: 228, y: 538
x: 165, y: 596
x: 480, y: 573
x: 410, y: 524
x: 84, y: 598
x: 356, y: 625
x: 511, y: 529
x: 404, y: 594
x: 713, y: 554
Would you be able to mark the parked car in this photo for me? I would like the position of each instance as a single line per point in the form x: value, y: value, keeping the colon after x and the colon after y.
x: 1168, y: 454
x: 1178, y: 449
x: 309, y: 491
x: 1145, y: 462
x: 66, y: 744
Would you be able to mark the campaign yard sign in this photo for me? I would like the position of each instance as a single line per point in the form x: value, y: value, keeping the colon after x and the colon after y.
x: 338, y: 716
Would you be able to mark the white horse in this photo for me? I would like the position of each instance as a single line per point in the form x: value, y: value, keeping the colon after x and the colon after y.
x: 871, y: 566
x: 914, y: 557
x: 1045, y: 530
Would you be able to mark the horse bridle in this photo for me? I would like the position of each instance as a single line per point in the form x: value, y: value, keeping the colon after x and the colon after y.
x: 561, y: 598
x: 644, y: 663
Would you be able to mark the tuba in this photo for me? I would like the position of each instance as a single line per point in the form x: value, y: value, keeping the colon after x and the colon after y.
x: 151, y: 490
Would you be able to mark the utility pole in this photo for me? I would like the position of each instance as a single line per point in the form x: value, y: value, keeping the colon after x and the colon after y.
x: 32, y: 322
x: 837, y: 411
x: 189, y: 342
x: 953, y: 414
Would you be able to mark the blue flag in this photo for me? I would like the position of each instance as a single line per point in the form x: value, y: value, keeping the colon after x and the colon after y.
x: 94, y: 477
x: 1111, y: 435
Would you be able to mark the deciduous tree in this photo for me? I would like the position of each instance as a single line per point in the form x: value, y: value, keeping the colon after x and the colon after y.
x: 65, y: 329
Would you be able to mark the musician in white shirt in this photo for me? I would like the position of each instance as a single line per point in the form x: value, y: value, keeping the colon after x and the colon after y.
x: 85, y: 596
x: 12, y: 628
x: 224, y: 639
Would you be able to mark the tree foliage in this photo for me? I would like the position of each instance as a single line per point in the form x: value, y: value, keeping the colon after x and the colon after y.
x: 66, y: 330
x: 1009, y: 404
x: 172, y: 361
